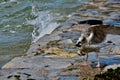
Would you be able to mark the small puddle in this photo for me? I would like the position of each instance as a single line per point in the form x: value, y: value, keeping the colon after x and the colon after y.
x: 68, y: 78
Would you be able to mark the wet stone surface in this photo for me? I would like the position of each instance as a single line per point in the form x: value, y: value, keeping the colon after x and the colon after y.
x: 55, y: 56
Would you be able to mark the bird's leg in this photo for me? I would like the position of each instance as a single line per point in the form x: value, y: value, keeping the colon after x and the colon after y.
x: 86, y: 57
x: 98, y: 64
x: 85, y: 60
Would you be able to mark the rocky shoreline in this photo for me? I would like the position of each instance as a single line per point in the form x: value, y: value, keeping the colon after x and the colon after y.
x: 55, y: 56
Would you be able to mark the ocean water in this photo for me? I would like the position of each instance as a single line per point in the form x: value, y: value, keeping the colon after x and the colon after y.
x: 25, y: 21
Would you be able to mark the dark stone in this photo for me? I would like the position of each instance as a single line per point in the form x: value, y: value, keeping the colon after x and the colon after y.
x: 109, y: 42
x: 27, y: 74
x: 17, y: 77
x: 9, y: 76
x: 91, y: 22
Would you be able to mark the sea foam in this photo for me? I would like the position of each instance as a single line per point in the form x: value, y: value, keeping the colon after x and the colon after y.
x: 44, y: 24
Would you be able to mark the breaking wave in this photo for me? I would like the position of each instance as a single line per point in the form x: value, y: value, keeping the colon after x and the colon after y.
x: 44, y: 24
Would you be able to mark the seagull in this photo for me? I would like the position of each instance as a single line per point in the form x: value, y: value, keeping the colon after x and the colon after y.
x: 95, y: 34
x: 92, y: 34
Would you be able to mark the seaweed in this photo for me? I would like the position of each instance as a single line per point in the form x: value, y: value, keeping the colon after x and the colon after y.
x: 111, y: 74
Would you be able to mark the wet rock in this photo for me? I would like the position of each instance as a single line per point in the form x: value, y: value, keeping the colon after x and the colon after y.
x: 67, y: 41
x: 68, y: 23
x: 113, y: 38
x: 22, y: 74
x: 56, y: 51
x: 90, y: 13
x: 83, y: 72
x: 43, y: 41
x: 91, y: 22
x: 113, y: 19
x: 114, y: 66
x: 37, y: 62
x: 115, y: 16
x: 97, y: 0
x: 90, y: 6
x: 114, y: 50
x: 68, y: 78
x: 64, y: 25
x: 18, y: 63
x: 69, y: 35
x: 113, y: 2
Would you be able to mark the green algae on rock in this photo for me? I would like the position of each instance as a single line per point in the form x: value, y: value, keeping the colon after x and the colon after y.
x: 110, y: 74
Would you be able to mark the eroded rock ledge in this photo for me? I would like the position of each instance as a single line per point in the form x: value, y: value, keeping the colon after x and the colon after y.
x: 54, y: 56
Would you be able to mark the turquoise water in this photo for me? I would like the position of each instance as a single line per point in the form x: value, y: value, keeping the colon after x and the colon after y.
x: 25, y: 21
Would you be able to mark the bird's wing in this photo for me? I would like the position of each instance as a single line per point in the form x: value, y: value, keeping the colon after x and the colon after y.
x: 107, y: 29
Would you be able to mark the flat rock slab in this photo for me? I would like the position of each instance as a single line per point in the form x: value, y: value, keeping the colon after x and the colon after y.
x: 45, y: 67
x: 38, y: 62
x: 35, y: 67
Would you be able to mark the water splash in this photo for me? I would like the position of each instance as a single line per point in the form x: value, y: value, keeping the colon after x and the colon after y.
x: 44, y: 24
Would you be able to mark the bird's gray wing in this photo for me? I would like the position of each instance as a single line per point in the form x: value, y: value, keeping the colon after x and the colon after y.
x: 107, y: 29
